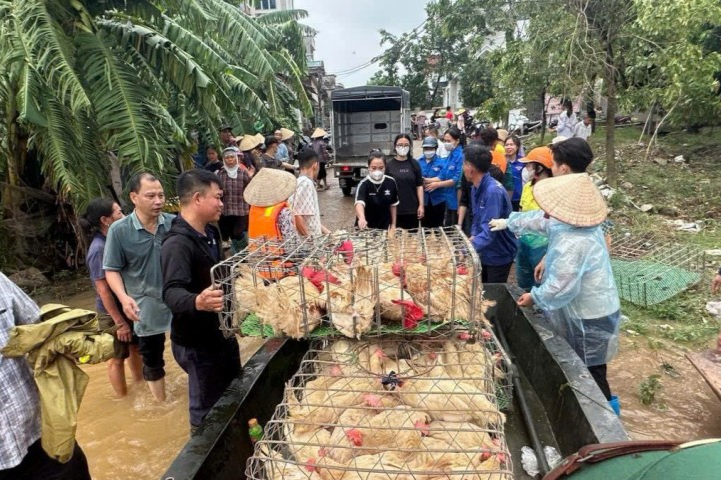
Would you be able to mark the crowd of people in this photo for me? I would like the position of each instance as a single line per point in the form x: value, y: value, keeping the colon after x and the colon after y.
x: 151, y: 269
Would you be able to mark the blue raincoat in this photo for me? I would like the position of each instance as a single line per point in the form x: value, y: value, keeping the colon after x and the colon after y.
x: 578, y: 290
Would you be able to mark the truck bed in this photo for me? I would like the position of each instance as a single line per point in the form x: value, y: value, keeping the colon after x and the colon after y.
x: 567, y: 408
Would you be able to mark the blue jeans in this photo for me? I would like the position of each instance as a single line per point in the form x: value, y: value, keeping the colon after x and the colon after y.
x: 210, y: 371
x: 527, y: 258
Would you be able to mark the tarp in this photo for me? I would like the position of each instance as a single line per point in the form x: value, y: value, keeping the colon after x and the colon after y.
x: 53, y: 348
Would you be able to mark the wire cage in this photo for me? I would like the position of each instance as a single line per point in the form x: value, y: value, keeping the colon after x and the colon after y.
x: 353, y: 283
x: 648, y: 271
x: 389, y: 408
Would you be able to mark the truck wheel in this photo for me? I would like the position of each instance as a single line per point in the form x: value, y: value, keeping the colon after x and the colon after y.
x: 346, y: 191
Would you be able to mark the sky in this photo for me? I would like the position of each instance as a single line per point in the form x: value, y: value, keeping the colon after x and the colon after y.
x: 348, y: 31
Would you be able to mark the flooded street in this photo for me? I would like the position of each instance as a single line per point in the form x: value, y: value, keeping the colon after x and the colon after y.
x: 135, y: 437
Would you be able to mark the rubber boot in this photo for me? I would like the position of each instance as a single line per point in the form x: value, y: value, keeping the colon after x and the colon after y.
x: 615, y: 404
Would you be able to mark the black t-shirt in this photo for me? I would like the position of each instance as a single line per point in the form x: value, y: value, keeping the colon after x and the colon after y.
x: 408, y: 177
x: 377, y: 198
x: 214, y: 167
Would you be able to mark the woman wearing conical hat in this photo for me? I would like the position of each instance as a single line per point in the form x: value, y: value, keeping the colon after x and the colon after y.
x: 578, y: 290
x: 320, y: 146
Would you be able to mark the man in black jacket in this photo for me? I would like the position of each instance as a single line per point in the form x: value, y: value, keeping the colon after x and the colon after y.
x: 189, y: 251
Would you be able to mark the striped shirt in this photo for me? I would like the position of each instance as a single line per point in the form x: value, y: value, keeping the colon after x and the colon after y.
x: 20, y: 411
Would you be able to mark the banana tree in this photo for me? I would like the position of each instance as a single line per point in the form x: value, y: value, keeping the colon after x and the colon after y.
x: 84, y: 82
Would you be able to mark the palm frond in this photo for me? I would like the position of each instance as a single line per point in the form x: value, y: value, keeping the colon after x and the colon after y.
x: 38, y: 25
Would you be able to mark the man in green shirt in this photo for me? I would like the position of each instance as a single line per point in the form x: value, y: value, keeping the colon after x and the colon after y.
x: 132, y: 269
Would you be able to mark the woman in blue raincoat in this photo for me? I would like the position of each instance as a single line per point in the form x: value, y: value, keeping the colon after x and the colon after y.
x: 578, y: 290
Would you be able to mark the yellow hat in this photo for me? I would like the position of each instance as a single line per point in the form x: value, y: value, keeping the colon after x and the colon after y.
x: 286, y: 134
x: 572, y: 199
x: 248, y: 143
x: 319, y: 133
x: 461, y: 111
x: 269, y: 187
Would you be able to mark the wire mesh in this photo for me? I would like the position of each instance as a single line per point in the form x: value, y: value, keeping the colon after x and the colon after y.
x: 353, y: 283
x: 393, y: 408
x: 648, y: 271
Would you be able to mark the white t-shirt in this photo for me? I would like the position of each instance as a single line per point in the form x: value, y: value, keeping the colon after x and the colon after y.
x: 566, y: 124
x: 304, y: 202
x: 582, y: 131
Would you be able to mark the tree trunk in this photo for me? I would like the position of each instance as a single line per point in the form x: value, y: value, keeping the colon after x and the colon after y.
x: 544, y: 119
x: 610, y: 74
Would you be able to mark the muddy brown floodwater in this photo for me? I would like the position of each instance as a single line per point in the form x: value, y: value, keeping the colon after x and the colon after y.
x: 136, y: 437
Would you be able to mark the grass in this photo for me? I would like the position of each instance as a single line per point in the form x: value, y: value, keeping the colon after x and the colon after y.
x: 679, y: 191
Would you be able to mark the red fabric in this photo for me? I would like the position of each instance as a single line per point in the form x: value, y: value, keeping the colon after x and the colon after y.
x: 449, y: 115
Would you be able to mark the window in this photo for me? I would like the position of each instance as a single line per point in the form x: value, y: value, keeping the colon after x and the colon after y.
x: 267, y: 4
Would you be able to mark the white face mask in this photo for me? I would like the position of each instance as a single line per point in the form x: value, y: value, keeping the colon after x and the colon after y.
x: 449, y: 146
x: 429, y: 154
x: 376, y: 175
x: 526, y: 176
x: 232, y: 172
x: 402, y: 150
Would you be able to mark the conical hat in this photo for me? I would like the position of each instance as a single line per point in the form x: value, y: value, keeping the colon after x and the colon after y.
x: 285, y: 134
x: 269, y: 187
x: 572, y: 199
x: 502, y: 134
x: 319, y: 133
x: 248, y: 143
x: 260, y: 138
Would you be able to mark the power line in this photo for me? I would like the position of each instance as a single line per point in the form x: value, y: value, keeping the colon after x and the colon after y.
x: 349, y: 71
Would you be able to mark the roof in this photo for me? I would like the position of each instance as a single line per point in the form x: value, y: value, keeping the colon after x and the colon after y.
x: 368, y: 91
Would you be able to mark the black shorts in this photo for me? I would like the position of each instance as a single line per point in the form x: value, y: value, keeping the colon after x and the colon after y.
x: 233, y: 226
x: 121, y: 349
x: 322, y: 173
x: 151, y: 349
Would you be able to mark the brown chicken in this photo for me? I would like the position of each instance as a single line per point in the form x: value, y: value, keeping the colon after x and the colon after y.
x: 352, y: 307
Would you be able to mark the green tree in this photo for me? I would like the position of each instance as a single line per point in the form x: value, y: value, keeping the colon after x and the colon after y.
x: 82, y: 80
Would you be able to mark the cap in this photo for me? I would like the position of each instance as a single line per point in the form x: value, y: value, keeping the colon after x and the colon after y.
x: 430, y: 142
x: 542, y: 155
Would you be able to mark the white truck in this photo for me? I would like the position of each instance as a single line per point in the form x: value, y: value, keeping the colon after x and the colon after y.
x: 365, y: 118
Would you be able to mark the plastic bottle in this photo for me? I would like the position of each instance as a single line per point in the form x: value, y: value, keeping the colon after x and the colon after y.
x: 255, y: 430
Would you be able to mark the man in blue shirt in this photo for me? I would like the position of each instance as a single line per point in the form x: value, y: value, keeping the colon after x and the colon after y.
x: 435, y: 182
x: 489, y: 200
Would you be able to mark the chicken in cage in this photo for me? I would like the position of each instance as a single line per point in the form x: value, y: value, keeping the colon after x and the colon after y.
x: 393, y: 408
x: 355, y: 282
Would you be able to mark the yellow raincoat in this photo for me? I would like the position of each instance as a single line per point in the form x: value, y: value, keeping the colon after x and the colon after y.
x: 53, y: 348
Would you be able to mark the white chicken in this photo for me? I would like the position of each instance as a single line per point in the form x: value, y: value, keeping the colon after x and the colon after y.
x: 450, y: 400
x: 393, y: 429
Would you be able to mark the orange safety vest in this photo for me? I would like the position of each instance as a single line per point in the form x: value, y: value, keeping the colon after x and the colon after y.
x: 263, y: 222
x: 263, y: 225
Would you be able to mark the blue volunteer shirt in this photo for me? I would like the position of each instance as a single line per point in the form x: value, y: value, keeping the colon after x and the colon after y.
x: 436, y: 167
x: 490, y: 200
x: 454, y: 170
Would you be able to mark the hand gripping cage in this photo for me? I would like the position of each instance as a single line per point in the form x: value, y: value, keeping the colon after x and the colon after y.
x: 353, y: 283
x: 395, y: 408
